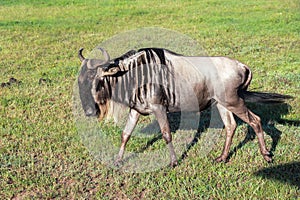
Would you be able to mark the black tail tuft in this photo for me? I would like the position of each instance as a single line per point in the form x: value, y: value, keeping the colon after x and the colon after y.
x: 263, y: 97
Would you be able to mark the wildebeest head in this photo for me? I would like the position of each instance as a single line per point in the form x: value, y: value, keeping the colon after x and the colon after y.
x: 91, y: 82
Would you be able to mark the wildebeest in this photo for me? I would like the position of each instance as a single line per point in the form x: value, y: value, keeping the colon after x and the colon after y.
x: 157, y: 81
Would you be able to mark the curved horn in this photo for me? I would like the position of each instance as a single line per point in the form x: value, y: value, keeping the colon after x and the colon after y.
x: 80, y: 54
x: 105, y: 54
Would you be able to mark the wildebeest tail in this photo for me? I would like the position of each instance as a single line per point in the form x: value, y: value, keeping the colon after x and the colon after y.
x: 264, y: 97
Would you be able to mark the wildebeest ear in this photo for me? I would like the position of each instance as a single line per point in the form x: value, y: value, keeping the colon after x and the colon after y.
x: 111, y: 71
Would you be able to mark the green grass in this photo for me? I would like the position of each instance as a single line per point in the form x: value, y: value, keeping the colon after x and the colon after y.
x: 41, y: 152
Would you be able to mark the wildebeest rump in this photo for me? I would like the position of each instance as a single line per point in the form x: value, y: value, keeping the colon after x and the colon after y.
x: 157, y: 81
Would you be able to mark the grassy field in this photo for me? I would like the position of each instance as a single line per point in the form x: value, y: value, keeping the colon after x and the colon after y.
x: 41, y: 153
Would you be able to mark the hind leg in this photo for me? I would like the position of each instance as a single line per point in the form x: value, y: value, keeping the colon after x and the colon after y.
x: 230, y: 126
x: 239, y: 109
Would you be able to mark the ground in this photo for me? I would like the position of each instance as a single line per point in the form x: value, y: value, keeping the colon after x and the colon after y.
x: 42, y: 154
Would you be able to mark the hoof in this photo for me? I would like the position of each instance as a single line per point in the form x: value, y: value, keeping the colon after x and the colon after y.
x: 268, y: 157
x: 221, y: 159
x: 118, y: 163
x: 173, y: 164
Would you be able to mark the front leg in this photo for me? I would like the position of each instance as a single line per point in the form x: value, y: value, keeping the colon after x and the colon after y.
x: 130, y: 125
x: 161, y: 116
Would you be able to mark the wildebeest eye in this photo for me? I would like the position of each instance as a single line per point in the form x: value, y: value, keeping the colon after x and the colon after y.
x: 102, y: 101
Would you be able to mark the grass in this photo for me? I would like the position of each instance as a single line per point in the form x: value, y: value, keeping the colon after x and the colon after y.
x: 41, y: 152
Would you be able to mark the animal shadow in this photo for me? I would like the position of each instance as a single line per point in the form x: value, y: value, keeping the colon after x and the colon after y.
x: 270, y: 114
x: 286, y: 173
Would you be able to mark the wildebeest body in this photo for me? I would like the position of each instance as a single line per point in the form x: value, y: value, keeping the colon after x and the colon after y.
x: 157, y: 81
